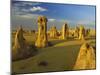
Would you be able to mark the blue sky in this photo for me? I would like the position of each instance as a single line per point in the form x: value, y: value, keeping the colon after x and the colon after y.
x: 25, y: 13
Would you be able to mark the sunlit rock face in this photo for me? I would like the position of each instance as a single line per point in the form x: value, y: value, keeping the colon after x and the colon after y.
x: 21, y: 48
x: 81, y: 32
x: 86, y: 58
x: 19, y: 44
x: 19, y: 41
x: 87, y: 32
x: 53, y: 32
x: 76, y: 33
x: 42, y: 32
x: 65, y: 32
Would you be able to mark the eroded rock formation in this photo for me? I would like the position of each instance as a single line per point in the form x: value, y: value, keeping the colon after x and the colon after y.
x: 81, y: 32
x: 53, y: 32
x: 21, y: 49
x: 76, y: 33
x: 65, y: 32
x: 86, y: 58
x: 42, y: 40
x: 19, y: 41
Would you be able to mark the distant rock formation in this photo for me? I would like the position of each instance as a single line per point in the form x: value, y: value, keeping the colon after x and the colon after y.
x: 86, y: 58
x: 21, y: 49
x: 76, y: 33
x: 19, y: 39
x: 87, y: 33
x: 42, y: 40
x: 65, y: 32
x: 81, y: 32
x: 53, y: 32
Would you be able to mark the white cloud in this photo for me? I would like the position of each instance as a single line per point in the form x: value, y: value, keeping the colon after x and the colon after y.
x: 38, y: 8
x: 26, y: 3
x: 29, y: 16
x: 51, y: 20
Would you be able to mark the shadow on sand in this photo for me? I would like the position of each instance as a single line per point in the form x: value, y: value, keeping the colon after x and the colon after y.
x: 32, y: 51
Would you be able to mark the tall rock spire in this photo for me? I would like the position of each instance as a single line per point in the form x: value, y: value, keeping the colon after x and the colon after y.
x: 42, y: 40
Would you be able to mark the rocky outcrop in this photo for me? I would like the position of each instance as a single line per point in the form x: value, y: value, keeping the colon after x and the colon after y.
x: 86, y: 58
x: 42, y: 40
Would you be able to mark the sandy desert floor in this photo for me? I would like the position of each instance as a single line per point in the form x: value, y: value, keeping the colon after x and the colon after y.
x: 60, y: 56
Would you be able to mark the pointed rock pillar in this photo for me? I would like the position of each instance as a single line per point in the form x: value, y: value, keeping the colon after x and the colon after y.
x: 20, y: 46
x: 76, y: 33
x: 19, y: 41
x: 65, y: 32
x: 53, y: 32
x: 86, y: 58
x: 81, y: 32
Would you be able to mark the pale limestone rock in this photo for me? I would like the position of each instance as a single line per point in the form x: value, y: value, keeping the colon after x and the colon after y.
x: 65, y: 32
x: 19, y: 44
x: 81, y: 32
x: 42, y: 32
x: 53, y: 32
x: 76, y: 33
x: 86, y: 58
x: 21, y: 48
x: 87, y: 33
x: 19, y: 41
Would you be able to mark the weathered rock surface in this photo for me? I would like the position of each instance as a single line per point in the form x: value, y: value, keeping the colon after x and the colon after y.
x: 65, y: 32
x: 42, y: 40
x: 76, y: 33
x: 53, y: 32
x: 21, y: 49
x: 86, y: 58
x: 81, y: 33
